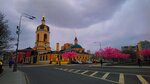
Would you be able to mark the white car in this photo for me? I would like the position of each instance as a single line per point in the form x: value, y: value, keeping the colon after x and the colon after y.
x: 79, y: 62
x: 89, y: 62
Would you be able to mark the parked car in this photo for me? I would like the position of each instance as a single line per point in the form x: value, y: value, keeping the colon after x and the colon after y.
x: 79, y: 62
x: 89, y: 62
x: 74, y: 62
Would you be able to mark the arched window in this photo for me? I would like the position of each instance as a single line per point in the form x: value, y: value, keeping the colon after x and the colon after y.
x: 45, y: 37
x: 46, y: 57
x: 41, y: 58
x: 37, y: 37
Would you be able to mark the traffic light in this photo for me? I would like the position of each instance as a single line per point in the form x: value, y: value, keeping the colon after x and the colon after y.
x: 18, y: 30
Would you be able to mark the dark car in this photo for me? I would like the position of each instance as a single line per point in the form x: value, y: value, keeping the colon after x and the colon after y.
x: 74, y: 62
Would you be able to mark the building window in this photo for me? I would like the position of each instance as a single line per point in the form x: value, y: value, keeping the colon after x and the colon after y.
x: 37, y: 37
x: 43, y: 58
x: 40, y: 58
x: 45, y: 37
x: 46, y: 57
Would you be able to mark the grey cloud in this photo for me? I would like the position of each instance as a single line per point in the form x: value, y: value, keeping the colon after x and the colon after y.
x: 112, y: 22
x: 80, y: 15
x: 127, y: 27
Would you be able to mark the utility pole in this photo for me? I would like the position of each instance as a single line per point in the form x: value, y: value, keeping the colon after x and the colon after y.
x: 18, y: 36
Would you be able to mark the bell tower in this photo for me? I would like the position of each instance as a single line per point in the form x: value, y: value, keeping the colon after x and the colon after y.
x: 42, y: 37
x: 75, y: 40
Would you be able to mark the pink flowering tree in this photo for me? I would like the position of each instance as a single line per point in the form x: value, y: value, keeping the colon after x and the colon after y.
x: 69, y: 55
x: 112, y: 53
x: 145, y: 53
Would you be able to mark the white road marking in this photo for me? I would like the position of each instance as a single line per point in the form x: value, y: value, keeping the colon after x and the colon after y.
x: 27, y: 79
x: 77, y: 71
x: 61, y: 69
x: 121, y: 78
x: 105, y: 75
x: 84, y: 72
x: 142, y: 80
x: 94, y: 73
x: 65, y: 69
x: 70, y: 70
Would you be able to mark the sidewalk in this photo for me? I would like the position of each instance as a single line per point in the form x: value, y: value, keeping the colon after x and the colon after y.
x: 98, y: 65
x: 10, y: 77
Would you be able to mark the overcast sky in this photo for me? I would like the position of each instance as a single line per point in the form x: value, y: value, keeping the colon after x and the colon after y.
x: 113, y: 23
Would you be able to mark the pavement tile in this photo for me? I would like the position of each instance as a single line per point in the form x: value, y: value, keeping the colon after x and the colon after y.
x: 10, y: 77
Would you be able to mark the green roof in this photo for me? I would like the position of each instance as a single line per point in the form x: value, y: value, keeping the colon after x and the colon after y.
x: 76, y: 46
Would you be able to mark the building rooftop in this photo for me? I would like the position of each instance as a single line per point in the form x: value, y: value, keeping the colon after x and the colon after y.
x: 76, y: 46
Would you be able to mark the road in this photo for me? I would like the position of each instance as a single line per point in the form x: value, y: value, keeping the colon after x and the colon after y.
x: 85, y: 74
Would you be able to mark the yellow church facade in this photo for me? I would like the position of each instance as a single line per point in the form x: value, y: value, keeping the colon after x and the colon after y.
x: 44, y: 53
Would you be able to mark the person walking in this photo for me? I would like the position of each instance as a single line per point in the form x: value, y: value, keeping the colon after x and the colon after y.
x: 139, y: 62
x: 101, y: 61
x: 11, y: 62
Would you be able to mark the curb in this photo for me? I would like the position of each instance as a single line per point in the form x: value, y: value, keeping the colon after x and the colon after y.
x: 26, y: 78
x: 2, y: 73
x: 130, y: 67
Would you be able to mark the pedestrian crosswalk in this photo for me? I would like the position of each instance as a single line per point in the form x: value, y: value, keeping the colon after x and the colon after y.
x: 121, y: 78
x: 115, y: 78
x: 142, y: 79
x: 84, y: 72
x: 94, y: 73
x: 105, y: 76
x: 76, y: 71
x: 70, y: 70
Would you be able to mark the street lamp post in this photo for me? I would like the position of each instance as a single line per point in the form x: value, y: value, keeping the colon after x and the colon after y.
x: 100, y: 48
x: 18, y: 36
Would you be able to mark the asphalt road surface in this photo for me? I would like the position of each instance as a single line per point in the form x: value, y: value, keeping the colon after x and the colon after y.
x: 85, y: 74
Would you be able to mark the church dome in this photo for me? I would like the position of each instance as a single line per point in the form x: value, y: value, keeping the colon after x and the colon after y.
x: 76, y: 46
x: 43, y: 26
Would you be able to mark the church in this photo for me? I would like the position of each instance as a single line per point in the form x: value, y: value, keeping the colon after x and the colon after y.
x: 42, y: 52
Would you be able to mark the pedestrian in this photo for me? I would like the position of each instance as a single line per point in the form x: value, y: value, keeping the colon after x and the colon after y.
x: 50, y: 62
x: 11, y: 62
x: 101, y: 61
x: 139, y: 62
x: 1, y: 66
